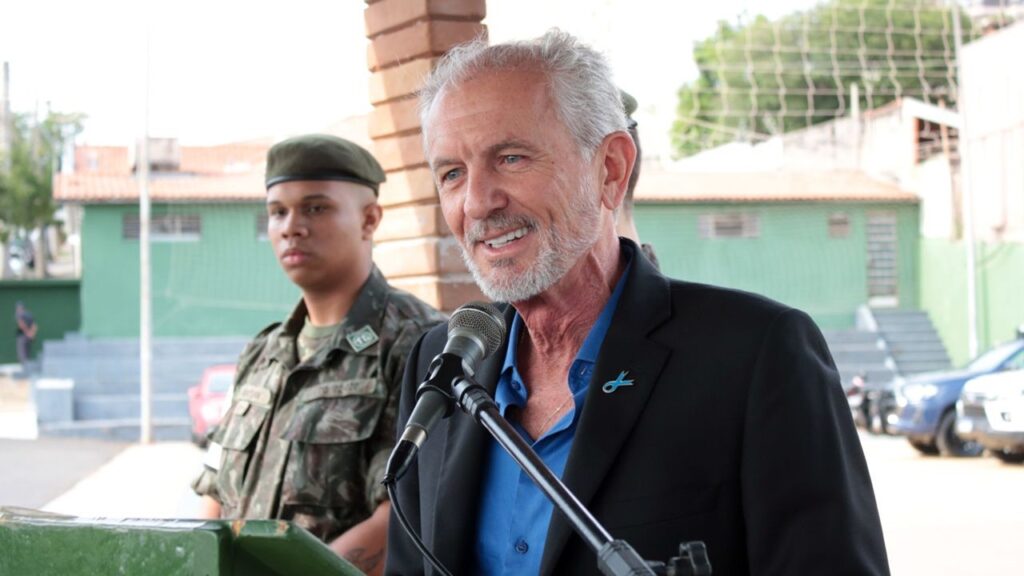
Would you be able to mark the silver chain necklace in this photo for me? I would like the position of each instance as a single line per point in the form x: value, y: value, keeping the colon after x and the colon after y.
x: 544, y: 426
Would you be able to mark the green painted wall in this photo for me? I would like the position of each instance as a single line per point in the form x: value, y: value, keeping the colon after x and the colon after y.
x: 226, y: 283
x: 1000, y: 291
x: 793, y: 260
x: 53, y: 303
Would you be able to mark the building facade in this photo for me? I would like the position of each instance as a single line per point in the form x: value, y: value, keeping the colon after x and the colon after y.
x: 824, y: 243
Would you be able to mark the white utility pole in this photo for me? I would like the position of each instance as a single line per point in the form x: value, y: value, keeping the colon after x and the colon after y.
x: 965, y: 190
x: 145, y: 310
x: 855, y: 115
x: 5, y: 117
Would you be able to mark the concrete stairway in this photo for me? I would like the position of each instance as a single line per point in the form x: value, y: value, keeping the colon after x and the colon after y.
x: 105, y: 395
x: 859, y: 352
x: 912, y: 340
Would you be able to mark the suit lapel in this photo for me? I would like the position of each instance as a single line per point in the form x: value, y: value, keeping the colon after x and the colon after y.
x: 608, y: 418
x: 462, y: 466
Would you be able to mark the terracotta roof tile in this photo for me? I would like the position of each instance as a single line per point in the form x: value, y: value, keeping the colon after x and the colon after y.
x: 98, y: 188
x: 102, y: 160
x: 222, y: 159
x: 225, y: 159
x: 228, y: 172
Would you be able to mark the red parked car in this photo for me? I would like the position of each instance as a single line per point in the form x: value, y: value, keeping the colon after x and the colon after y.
x: 208, y: 400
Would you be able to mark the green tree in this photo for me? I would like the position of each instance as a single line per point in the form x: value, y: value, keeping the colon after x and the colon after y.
x: 764, y: 77
x: 26, y: 180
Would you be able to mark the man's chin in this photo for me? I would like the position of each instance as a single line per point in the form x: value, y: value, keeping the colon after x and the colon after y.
x: 304, y: 278
x: 506, y: 286
x: 510, y: 279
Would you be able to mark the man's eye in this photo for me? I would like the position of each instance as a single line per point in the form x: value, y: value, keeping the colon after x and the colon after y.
x: 451, y: 175
x: 275, y: 212
x: 512, y: 158
x: 314, y: 209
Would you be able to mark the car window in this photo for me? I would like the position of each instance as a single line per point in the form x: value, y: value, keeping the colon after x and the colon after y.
x: 992, y: 359
x: 1016, y: 362
x: 220, y: 382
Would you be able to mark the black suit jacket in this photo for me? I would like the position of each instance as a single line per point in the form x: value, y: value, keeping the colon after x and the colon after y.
x: 735, y: 432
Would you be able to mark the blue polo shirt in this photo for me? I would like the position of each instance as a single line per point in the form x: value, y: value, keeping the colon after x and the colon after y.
x: 514, y: 513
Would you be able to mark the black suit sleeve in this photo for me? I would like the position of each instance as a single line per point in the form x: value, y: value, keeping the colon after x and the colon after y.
x: 403, y: 558
x: 807, y: 496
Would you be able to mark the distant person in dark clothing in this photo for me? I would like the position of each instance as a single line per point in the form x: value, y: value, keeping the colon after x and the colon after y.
x: 25, y: 333
x: 624, y: 224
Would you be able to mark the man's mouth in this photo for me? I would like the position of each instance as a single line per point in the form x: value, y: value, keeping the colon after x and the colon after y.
x: 507, y: 238
x: 293, y: 256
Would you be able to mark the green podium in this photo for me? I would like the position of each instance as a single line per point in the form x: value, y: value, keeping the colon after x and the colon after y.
x: 36, y: 543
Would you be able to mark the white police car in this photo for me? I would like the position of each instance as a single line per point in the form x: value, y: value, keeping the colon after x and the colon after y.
x: 990, y: 411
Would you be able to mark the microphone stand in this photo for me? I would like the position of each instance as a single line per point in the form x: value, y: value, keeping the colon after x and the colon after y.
x: 614, y: 557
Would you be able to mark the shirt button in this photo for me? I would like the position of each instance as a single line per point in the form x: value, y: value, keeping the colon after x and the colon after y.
x: 522, y: 547
x: 516, y: 386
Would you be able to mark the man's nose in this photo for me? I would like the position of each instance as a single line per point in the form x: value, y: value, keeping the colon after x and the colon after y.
x: 294, y: 225
x: 484, y: 195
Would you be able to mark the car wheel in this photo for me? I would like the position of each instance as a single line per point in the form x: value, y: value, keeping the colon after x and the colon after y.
x: 949, y: 443
x: 1009, y: 457
x: 926, y: 448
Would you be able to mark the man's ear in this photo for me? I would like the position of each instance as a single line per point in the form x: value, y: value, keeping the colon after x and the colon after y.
x: 618, y: 153
x: 372, y: 213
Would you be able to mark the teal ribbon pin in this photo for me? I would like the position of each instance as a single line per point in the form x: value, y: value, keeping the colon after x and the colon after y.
x: 619, y: 382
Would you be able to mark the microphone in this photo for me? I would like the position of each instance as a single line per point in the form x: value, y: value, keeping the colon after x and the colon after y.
x: 475, y: 331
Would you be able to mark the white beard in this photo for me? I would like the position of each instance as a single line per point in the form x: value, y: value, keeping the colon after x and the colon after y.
x: 559, y: 250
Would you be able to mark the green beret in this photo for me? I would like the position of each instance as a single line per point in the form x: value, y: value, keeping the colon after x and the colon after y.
x: 628, y: 102
x: 322, y: 157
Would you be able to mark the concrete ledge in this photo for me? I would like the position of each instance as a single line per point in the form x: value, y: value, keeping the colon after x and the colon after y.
x: 54, y: 399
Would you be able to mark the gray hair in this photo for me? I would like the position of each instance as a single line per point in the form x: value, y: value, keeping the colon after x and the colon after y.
x: 579, y: 81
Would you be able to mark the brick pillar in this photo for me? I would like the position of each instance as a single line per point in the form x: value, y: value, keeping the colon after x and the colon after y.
x: 413, y: 246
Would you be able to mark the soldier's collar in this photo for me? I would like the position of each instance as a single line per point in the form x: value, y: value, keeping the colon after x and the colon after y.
x: 360, y: 330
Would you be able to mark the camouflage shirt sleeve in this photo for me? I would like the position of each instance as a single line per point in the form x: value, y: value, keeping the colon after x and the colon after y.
x: 205, y: 484
x: 383, y: 440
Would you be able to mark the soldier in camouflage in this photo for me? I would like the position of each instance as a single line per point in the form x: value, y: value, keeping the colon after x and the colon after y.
x: 312, y: 418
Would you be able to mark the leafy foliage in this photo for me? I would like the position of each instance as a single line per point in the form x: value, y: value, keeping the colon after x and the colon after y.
x: 26, y: 173
x: 762, y: 77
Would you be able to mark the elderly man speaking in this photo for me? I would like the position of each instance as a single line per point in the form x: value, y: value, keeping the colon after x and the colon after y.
x: 674, y: 411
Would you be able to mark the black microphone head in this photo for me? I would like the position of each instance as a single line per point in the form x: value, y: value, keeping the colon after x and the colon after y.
x: 481, y: 319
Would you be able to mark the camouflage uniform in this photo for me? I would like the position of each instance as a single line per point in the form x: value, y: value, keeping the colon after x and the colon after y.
x: 308, y: 441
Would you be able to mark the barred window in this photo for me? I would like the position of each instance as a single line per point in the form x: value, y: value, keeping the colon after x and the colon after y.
x: 164, y: 227
x: 729, y: 225
x: 838, y: 225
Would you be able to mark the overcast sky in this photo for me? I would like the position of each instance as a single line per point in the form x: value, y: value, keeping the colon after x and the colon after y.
x: 228, y: 70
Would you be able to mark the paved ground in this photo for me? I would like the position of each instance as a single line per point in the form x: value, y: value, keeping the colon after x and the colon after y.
x: 140, y: 482
x: 38, y: 471
x: 945, y: 516
x: 90, y: 478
